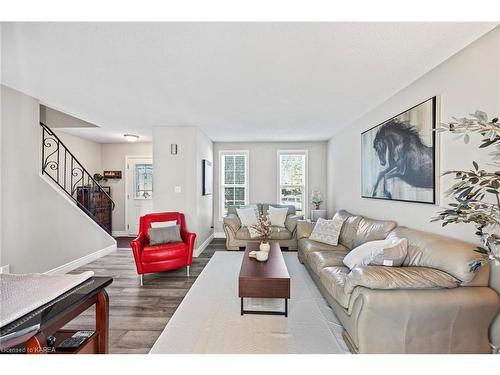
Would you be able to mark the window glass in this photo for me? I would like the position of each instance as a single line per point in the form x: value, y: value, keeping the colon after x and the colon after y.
x: 144, y: 181
x: 234, y: 181
x: 293, y: 180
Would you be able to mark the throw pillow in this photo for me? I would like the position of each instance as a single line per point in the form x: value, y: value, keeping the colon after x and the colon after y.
x: 277, y: 216
x: 163, y: 224
x: 248, y: 216
x: 390, y: 252
x: 327, y: 231
x: 158, y: 236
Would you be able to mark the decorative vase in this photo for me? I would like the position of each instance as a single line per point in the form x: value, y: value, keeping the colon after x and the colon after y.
x: 264, y: 246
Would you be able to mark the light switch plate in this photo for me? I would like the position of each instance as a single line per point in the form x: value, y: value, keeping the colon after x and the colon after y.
x: 177, y: 189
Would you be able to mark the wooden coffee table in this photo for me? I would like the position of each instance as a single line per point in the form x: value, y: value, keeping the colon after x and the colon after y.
x: 268, y: 279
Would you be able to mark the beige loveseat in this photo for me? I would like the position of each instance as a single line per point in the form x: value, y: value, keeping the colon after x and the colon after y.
x: 238, y: 235
x: 432, y: 304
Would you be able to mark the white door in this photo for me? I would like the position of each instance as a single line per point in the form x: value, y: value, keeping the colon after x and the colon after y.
x: 139, y: 191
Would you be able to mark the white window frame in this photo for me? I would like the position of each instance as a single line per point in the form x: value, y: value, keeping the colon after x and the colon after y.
x: 305, y: 207
x: 223, y: 153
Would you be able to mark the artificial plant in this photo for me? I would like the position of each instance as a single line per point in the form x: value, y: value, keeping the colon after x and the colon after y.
x: 477, y: 191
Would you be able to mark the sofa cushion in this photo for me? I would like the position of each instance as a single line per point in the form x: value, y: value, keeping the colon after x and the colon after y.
x: 248, y: 216
x: 278, y: 233
x: 349, y: 228
x: 264, y: 208
x: 377, y: 277
x: 372, y: 230
x: 443, y: 253
x: 320, y: 259
x: 307, y: 246
x: 333, y: 280
x: 277, y: 216
x: 158, y: 253
x: 291, y: 222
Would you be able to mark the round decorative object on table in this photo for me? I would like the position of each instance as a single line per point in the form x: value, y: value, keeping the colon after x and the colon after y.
x: 262, y: 256
x: 264, y: 246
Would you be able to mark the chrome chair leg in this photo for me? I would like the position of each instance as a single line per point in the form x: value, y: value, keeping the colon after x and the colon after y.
x: 187, y: 271
x: 142, y: 280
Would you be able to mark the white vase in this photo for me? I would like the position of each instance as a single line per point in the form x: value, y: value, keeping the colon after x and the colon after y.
x: 264, y: 246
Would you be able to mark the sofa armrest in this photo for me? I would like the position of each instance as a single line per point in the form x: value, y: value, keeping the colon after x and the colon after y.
x: 291, y: 223
x: 233, y: 222
x: 380, y: 277
x: 304, y: 229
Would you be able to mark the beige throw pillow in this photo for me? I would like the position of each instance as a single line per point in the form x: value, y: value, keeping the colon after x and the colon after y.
x: 327, y: 231
x: 277, y: 216
x: 247, y: 215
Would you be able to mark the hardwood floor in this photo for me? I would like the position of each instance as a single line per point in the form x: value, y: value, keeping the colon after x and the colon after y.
x: 138, y: 314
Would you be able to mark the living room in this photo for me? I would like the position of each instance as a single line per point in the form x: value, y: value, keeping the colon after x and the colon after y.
x: 251, y: 188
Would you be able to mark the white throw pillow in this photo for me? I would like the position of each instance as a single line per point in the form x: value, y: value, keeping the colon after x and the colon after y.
x: 163, y: 224
x: 247, y: 215
x: 390, y: 252
x: 277, y: 216
x: 327, y: 231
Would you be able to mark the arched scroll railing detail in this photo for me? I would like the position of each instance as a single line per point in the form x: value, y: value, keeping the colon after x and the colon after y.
x: 64, y: 169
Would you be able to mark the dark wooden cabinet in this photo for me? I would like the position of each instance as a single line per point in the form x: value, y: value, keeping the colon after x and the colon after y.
x: 97, y: 204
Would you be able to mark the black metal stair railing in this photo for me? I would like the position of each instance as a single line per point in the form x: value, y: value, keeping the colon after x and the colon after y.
x: 61, y: 166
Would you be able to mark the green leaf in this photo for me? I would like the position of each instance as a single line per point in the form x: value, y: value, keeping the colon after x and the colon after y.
x: 476, y: 166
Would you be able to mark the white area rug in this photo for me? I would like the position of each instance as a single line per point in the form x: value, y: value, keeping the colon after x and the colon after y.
x: 208, y: 320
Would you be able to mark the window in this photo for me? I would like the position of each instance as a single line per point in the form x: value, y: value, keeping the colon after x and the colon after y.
x: 234, y: 179
x: 143, y: 181
x: 292, y: 166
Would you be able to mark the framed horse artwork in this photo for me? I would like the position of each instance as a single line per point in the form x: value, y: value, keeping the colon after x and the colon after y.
x: 398, y: 156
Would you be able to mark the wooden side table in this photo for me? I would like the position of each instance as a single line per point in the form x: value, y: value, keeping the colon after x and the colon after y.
x: 30, y: 332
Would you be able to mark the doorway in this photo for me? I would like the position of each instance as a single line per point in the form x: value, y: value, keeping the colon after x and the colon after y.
x: 139, y: 191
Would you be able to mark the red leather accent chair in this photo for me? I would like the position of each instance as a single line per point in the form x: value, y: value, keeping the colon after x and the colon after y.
x: 164, y: 257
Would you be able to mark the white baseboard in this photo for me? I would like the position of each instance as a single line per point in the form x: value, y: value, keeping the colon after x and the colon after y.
x: 219, y: 235
x: 203, y: 246
x: 5, y: 269
x: 65, y: 268
x: 120, y: 233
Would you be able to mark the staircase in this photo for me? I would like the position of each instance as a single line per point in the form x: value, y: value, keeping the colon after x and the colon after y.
x: 62, y: 167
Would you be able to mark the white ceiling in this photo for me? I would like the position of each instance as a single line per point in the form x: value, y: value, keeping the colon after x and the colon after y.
x: 236, y: 81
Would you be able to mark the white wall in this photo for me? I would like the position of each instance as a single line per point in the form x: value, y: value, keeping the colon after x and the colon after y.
x: 41, y: 229
x: 87, y: 152
x: 113, y: 158
x: 467, y: 81
x: 99, y: 157
x: 263, y: 171
x: 182, y: 170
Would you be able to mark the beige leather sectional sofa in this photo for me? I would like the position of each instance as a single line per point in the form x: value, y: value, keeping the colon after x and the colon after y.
x: 432, y: 304
x: 237, y: 235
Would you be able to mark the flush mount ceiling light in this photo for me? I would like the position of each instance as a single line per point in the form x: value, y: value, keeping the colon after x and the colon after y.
x: 131, y: 137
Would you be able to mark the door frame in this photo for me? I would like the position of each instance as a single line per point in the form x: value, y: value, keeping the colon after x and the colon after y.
x: 127, y: 159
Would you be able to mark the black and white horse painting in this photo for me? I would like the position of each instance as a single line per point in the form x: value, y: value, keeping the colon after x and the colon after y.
x: 398, y: 156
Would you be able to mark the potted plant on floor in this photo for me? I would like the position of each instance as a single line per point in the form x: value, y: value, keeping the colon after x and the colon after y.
x: 477, y: 191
